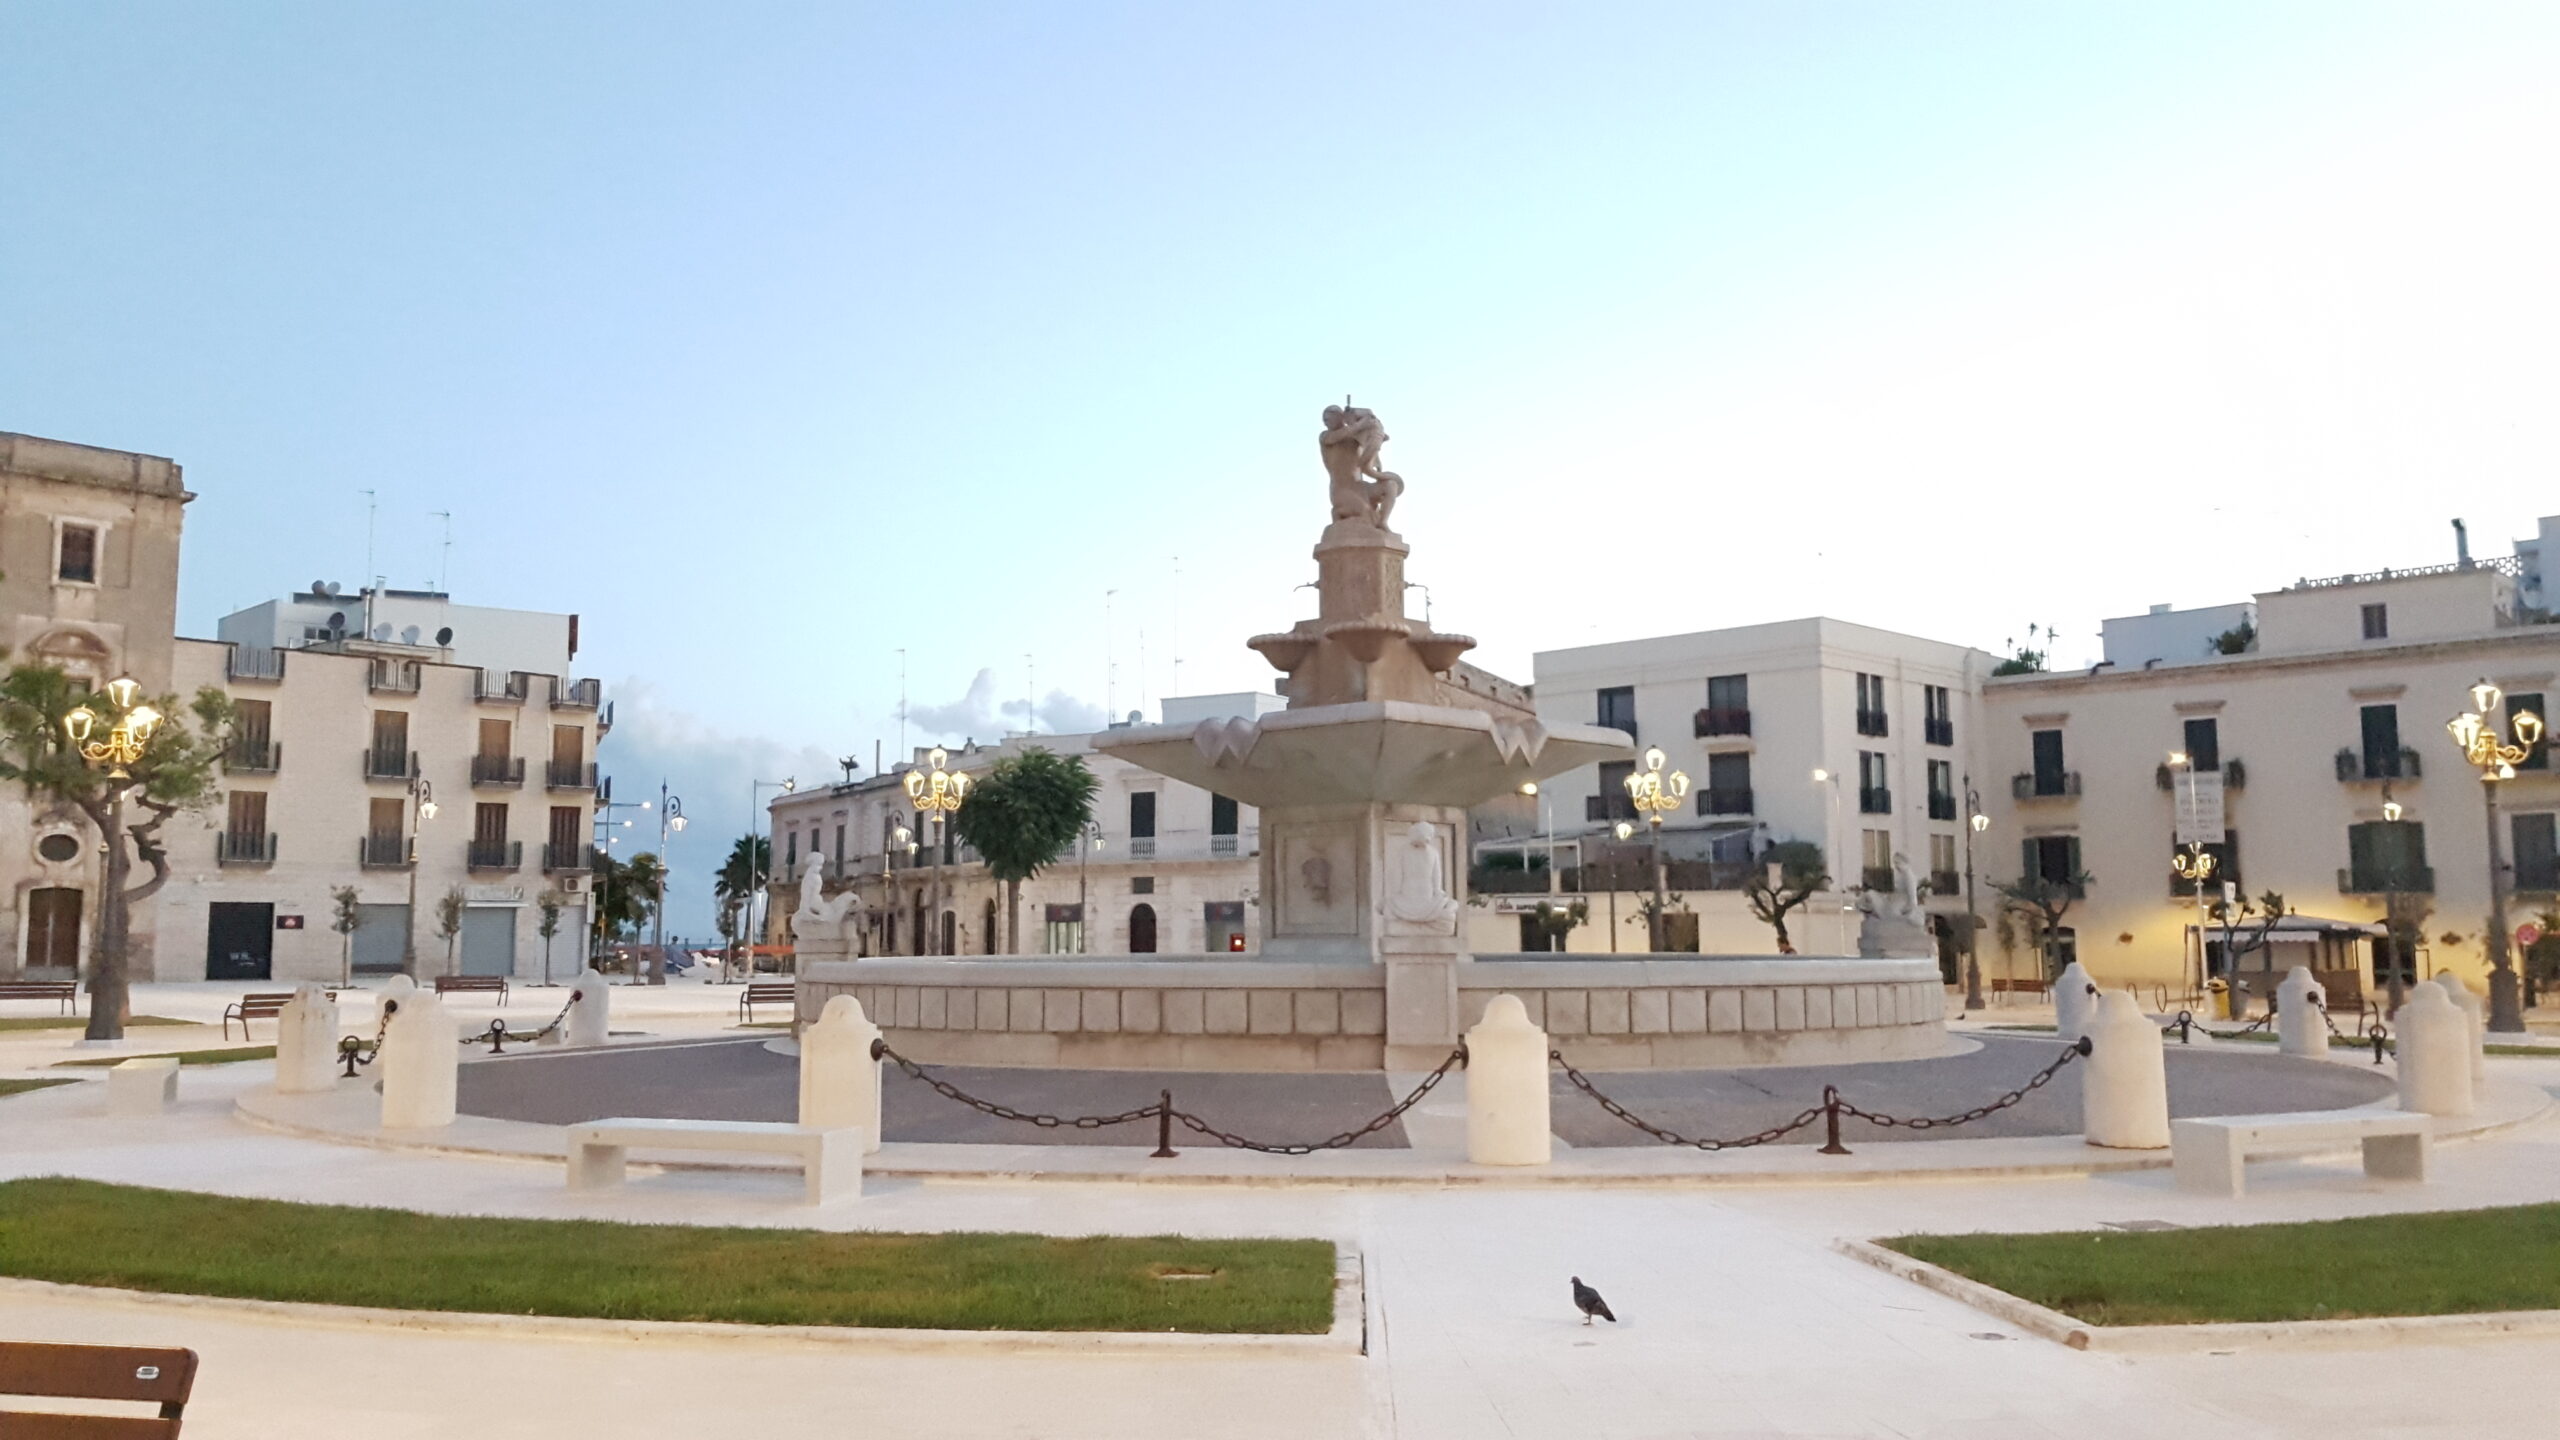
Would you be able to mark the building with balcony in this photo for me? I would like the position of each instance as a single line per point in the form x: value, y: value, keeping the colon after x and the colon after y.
x: 2307, y: 710
x: 1169, y: 868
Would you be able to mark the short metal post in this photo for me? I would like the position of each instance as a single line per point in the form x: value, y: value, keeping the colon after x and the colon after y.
x: 2186, y: 1023
x: 497, y: 1037
x: 1164, y: 1127
x: 2377, y: 1045
x: 1831, y: 1122
x: 348, y: 1049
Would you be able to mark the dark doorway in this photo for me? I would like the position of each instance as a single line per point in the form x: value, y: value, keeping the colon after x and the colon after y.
x: 239, y: 941
x: 1142, y: 930
x: 53, y: 931
x: 950, y: 932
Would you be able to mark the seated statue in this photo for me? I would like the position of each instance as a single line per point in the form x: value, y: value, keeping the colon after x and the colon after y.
x: 822, y: 917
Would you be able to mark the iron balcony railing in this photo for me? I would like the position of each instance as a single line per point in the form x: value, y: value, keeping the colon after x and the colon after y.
x: 1938, y: 732
x: 391, y: 677
x: 495, y: 855
x: 1723, y: 720
x: 1942, y: 806
x: 2385, y: 879
x: 1872, y: 722
x: 2538, y: 878
x: 497, y: 772
x: 1946, y: 882
x: 381, y: 764
x: 1730, y: 800
x: 1875, y: 800
x: 383, y: 852
x: 2355, y: 765
x: 1608, y: 807
x: 1876, y: 877
x: 234, y: 848
x: 1222, y: 847
x: 247, y: 664
x: 569, y: 775
x: 576, y: 694
x: 2045, y: 785
x: 558, y: 859
x: 508, y: 689
x: 1142, y: 847
x: 252, y: 757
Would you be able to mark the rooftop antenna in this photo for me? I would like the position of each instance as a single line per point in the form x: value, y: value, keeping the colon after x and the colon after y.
x: 903, y: 752
x: 1142, y: 669
x: 1177, y: 624
x: 1030, y: 687
x: 444, y: 560
x: 1110, y: 662
x: 2462, y: 544
x: 371, y: 581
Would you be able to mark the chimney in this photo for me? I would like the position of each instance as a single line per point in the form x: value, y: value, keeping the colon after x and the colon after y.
x: 2461, y: 545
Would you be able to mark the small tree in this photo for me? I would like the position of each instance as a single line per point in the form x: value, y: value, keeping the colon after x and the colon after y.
x: 2040, y: 904
x: 2027, y: 659
x: 551, y: 903
x: 449, y: 922
x: 1801, y: 871
x: 1021, y: 817
x: 1558, y: 921
x: 2264, y: 911
x: 46, y: 718
x: 348, y: 917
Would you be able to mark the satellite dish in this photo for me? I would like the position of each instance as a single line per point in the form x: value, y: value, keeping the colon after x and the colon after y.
x: 409, y: 635
x: 445, y: 636
x: 382, y: 631
x: 1133, y: 716
x: 319, y: 587
x: 338, y: 620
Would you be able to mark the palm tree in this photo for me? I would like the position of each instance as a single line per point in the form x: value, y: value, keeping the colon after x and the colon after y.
x: 750, y: 860
x: 1021, y: 817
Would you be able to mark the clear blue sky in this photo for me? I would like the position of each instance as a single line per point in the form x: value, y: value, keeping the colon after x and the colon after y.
x: 777, y: 339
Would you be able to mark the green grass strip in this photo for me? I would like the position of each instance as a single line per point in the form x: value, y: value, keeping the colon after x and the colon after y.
x: 184, y: 1057
x: 20, y: 1087
x: 76, y: 1022
x: 2447, y: 1263
x: 81, y: 1232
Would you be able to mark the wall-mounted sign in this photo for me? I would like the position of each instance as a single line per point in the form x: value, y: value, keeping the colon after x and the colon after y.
x: 288, y: 922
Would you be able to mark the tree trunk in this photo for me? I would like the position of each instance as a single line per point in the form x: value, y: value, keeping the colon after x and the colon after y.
x: 108, y: 987
x: 1013, y: 917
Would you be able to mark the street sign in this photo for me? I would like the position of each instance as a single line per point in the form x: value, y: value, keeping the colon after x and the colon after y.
x: 2199, y: 805
x: 2528, y: 934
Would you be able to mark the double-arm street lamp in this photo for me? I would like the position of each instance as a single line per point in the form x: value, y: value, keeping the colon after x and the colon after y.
x: 1656, y: 792
x: 2476, y: 731
x: 670, y: 822
x: 422, y: 806
x: 1975, y: 823
x: 1088, y: 840
x: 937, y: 793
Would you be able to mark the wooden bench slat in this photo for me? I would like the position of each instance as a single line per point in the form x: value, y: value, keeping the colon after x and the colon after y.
x: 18, y: 1425
x: 95, y: 1372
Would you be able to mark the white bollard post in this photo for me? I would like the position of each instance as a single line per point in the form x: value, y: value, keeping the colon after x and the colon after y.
x: 1507, y: 1088
x: 2075, y: 999
x: 2476, y: 1018
x: 591, y: 1018
x: 307, y: 1043
x: 2124, y: 1097
x: 839, y: 1081
x: 2435, y: 1076
x: 2300, y: 1007
x: 394, y: 990
x: 421, y: 1060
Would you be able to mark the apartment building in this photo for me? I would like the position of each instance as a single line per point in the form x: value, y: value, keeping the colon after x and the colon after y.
x: 1166, y: 868
x: 412, y: 749
x: 2307, y: 711
x: 1856, y: 739
x: 88, y: 583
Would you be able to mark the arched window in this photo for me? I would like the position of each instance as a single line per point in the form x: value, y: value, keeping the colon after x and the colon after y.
x: 76, y: 653
x: 1142, y: 930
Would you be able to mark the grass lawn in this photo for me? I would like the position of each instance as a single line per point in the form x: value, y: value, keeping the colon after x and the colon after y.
x: 74, y: 1022
x: 2450, y: 1263
x: 185, y: 1057
x: 20, y: 1087
x: 82, y: 1232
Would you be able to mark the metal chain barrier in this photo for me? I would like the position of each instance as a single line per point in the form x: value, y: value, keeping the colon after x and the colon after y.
x: 2038, y: 1081
x: 498, y: 1035
x: 1583, y: 1083
x: 1385, y: 1118
x: 880, y: 1051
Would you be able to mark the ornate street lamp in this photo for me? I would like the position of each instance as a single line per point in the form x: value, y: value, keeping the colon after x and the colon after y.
x: 1655, y: 792
x: 422, y: 806
x: 129, y: 727
x: 1622, y: 830
x: 1972, y: 918
x: 2476, y: 732
x: 2195, y: 864
x: 936, y: 793
x: 670, y: 822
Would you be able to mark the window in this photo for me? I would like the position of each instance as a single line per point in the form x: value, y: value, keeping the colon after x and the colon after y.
x: 839, y: 845
x: 568, y: 745
x: 2536, y: 851
x: 1938, y: 715
x: 1871, y: 718
x: 247, y: 819
x: 1618, y: 709
x: 1142, y: 814
x: 1943, y: 879
x: 1728, y: 789
x: 1875, y: 859
x: 253, y: 723
x: 78, y: 560
x: 565, y: 842
x: 1062, y: 929
x: 791, y: 850
x: 1142, y: 884
x: 489, y: 824
x: 2381, y: 741
x: 2377, y: 622
x: 2204, y: 743
x: 1942, y: 789
x: 1222, y: 815
x: 1873, y: 796
x: 1728, y: 709
x: 2537, y: 756
x: 2054, y: 859
x: 1142, y: 930
x: 386, y: 819
x: 2048, y: 753
x: 1613, y: 802
x: 389, y: 756
x: 497, y: 739
x: 2226, y: 867
x: 2387, y: 855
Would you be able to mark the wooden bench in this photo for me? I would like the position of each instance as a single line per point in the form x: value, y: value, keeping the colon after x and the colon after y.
x: 95, y: 1372
x: 830, y: 1160
x: 66, y: 991
x: 2012, y: 985
x: 266, y: 1005
x: 2207, y: 1153
x: 766, y: 992
x: 473, y: 985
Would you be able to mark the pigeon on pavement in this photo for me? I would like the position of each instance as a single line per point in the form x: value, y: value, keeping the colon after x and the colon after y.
x: 1588, y: 1301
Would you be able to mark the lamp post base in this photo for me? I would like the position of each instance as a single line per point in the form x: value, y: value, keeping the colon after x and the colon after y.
x: 2506, y: 1007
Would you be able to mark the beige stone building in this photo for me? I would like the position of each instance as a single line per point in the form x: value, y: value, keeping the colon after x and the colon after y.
x: 88, y: 582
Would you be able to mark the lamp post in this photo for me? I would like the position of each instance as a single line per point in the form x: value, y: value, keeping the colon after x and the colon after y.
x: 1087, y: 841
x: 1830, y: 784
x: 1656, y: 791
x: 422, y: 806
x: 2392, y: 982
x: 1623, y: 831
x: 2477, y: 733
x: 601, y: 840
x: 1975, y: 824
x: 129, y: 730
x: 2195, y: 864
x: 936, y: 792
x: 670, y: 822
x: 760, y: 861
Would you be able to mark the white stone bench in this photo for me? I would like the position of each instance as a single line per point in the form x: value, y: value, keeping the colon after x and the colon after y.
x: 144, y: 1086
x: 2207, y: 1153
x: 830, y: 1160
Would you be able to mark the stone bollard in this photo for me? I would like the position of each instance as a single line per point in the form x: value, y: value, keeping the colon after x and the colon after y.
x: 591, y: 1018
x: 2302, y: 1008
x: 2435, y: 1076
x: 2075, y: 999
x: 421, y: 1057
x: 147, y: 1085
x: 839, y: 1081
x: 307, y: 1043
x: 1507, y: 1088
x: 2475, y: 1016
x: 2124, y: 1097
x: 394, y: 990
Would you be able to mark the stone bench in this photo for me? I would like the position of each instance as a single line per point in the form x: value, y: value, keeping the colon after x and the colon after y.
x: 144, y: 1086
x: 2207, y: 1153
x: 830, y: 1160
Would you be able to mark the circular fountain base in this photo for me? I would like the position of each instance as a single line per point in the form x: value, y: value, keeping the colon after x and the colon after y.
x: 1216, y: 1014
